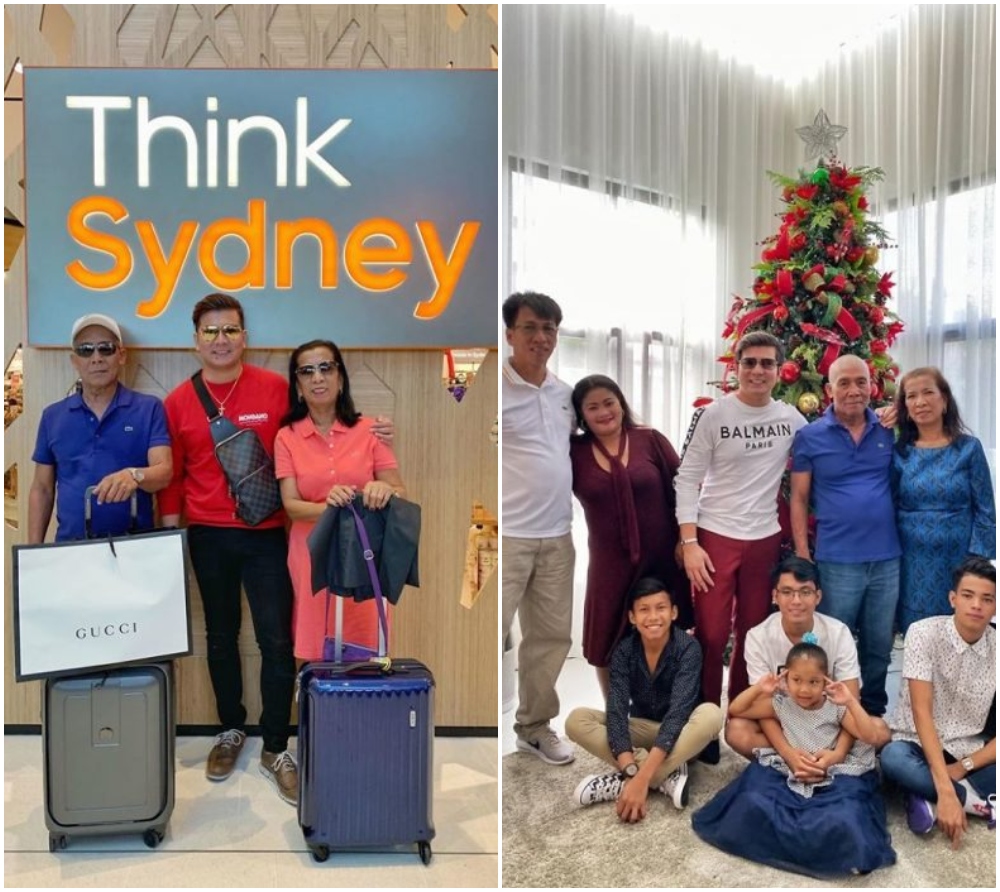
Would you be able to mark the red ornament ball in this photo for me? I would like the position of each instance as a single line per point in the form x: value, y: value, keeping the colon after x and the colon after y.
x: 790, y: 372
x: 877, y: 315
x: 780, y: 313
x: 879, y: 346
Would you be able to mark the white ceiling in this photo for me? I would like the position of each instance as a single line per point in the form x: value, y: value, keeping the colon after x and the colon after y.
x: 788, y: 42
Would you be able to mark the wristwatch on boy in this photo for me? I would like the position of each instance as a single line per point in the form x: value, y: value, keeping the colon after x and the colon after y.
x: 630, y: 770
x: 137, y: 475
x: 968, y: 765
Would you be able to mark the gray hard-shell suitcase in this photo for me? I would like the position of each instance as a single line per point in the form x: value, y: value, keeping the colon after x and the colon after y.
x: 108, y: 742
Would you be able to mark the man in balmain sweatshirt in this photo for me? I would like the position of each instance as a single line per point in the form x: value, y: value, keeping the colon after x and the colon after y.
x: 727, y: 486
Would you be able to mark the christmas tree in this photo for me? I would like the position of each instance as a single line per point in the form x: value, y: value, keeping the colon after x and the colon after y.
x: 817, y: 287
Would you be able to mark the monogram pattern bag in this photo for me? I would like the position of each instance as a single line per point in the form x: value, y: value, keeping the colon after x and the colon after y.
x: 248, y: 468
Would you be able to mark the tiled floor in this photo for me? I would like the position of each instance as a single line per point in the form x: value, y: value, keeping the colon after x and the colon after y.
x: 239, y: 834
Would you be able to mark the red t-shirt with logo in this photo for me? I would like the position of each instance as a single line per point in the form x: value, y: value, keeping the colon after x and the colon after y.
x: 198, y: 488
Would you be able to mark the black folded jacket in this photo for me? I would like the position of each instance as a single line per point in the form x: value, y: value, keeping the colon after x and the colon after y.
x: 337, y: 554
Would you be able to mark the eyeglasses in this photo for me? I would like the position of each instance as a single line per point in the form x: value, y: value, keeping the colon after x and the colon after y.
x: 210, y: 332
x: 324, y: 368
x: 751, y: 362
x: 105, y: 348
x: 803, y: 593
x: 550, y: 331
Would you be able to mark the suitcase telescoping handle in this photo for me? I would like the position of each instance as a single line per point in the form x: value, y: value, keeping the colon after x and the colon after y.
x: 88, y: 510
x: 383, y: 622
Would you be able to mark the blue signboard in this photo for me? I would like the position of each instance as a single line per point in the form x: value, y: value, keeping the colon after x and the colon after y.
x: 355, y: 205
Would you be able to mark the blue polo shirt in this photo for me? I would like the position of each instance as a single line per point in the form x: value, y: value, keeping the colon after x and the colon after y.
x: 850, y: 493
x: 84, y: 448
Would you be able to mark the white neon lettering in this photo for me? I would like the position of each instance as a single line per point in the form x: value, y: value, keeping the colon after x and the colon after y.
x: 99, y: 104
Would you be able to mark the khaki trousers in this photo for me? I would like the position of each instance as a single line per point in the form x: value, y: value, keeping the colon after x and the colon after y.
x: 589, y: 728
x: 537, y: 583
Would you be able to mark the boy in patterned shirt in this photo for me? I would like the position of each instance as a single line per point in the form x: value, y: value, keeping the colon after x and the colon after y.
x: 941, y: 751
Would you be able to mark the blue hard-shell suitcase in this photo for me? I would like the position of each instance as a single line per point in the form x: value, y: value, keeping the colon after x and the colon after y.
x: 366, y: 753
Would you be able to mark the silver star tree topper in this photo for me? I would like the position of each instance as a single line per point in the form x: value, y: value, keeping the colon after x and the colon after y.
x: 821, y: 137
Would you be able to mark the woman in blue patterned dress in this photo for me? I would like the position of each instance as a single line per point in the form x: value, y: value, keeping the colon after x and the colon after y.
x: 943, y: 492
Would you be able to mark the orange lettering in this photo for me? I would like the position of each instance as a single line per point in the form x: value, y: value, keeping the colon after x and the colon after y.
x: 252, y: 233
x: 287, y: 231
x: 76, y: 223
x: 357, y: 254
x: 166, y: 270
x: 446, y: 271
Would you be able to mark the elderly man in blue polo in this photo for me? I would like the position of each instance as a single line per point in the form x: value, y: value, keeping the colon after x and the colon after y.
x: 102, y: 435
x: 841, y: 465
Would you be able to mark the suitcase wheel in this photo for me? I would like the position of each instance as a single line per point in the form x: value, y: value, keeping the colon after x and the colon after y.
x: 320, y: 853
x: 425, y: 852
x: 57, y: 842
x: 152, y: 837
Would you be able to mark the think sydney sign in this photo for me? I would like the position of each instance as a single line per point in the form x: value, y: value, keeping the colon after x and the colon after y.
x: 355, y: 205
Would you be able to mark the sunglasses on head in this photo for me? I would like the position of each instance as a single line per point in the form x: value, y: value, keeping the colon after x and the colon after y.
x: 105, y: 348
x: 210, y: 332
x: 324, y: 368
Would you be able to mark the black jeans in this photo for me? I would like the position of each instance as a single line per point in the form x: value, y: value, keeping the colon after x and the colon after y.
x: 223, y: 559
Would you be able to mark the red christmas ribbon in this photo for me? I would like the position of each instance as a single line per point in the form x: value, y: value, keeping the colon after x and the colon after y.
x: 754, y: 316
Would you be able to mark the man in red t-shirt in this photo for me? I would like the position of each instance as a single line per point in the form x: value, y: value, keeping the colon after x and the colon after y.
x: 228, y: 554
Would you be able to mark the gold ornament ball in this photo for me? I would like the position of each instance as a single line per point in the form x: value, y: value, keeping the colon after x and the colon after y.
x: 808, y: 403
x: 871, y: 255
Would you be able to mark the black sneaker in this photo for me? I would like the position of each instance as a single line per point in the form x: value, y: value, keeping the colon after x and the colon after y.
x: 711, y: 754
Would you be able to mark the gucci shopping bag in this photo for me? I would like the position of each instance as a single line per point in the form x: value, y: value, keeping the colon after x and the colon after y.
x: 98, y: 603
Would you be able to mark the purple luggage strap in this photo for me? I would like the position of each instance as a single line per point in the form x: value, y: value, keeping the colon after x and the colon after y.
x: 369, y: 556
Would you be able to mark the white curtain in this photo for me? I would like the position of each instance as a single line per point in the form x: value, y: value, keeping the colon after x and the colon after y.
x: 637, y: 194
x: 636, y: 191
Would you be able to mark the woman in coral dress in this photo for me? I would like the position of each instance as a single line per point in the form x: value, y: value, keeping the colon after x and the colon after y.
x: 325, y: 454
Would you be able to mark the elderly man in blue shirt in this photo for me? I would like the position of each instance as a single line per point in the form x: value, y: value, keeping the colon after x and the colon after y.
x: 841, y: 462
x: 102, y: 435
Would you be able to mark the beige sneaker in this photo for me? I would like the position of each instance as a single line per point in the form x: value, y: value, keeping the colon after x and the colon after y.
x: 225, y: 752
x: 280, y: 769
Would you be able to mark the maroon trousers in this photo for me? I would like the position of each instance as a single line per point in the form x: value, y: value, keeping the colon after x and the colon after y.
x: 739, y: 600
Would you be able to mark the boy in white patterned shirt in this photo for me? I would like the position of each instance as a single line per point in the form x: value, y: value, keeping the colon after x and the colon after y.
x: 940, y: 752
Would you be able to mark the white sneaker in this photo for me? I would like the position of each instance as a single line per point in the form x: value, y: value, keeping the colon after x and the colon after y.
x: 676, y: 786
x: 548, y: 747
x: 598, y: 788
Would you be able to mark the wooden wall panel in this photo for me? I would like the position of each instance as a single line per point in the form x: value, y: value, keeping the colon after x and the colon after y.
x: 444, y: 448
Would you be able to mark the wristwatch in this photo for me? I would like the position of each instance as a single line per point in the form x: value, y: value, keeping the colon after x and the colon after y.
x: 630, y: 770
x: 137, y: 475
x: 968, y: 765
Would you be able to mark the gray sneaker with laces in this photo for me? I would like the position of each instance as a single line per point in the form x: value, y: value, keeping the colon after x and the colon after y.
x: 548, y: 746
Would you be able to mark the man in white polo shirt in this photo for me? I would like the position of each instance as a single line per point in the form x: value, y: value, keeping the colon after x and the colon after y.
x: 538, y: 556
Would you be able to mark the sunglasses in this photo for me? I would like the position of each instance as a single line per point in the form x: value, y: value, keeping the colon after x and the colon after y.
x: 751, y: 362
x: 324, y: 368
x: 210, y: 332
x: 105, y: 348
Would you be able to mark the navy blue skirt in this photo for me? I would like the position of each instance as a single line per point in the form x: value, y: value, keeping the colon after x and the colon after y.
x: 840, y: 830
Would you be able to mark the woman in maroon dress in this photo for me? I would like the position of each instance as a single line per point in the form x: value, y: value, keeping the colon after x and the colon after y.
x: 623, y: 476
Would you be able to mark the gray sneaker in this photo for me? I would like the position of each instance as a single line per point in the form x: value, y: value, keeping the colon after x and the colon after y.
x: 280, y: 769
x: 548, y: 747
x: 599, y: 788
x: 676, y: 787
